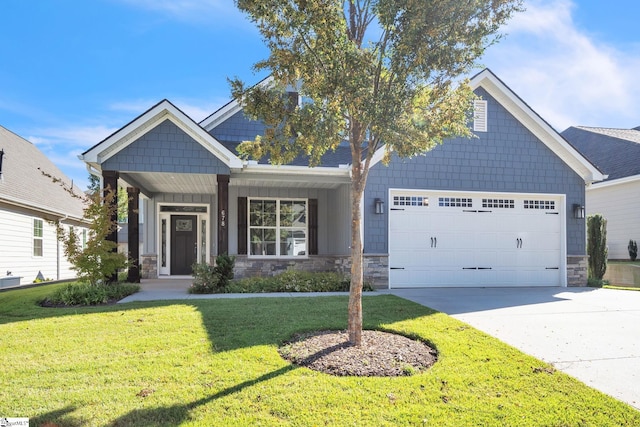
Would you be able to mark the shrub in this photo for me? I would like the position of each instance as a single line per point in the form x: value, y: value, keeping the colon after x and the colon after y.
x: 209, y: 279
x: 75, y: 294
x: 294, y: 281
x: 597, y: 245
x: 633, y: 250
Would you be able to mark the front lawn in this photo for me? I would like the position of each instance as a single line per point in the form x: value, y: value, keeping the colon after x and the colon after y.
x: 215, y: 362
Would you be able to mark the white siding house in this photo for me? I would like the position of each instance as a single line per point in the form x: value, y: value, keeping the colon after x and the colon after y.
x: 616, y: 152
x: 30, y: 204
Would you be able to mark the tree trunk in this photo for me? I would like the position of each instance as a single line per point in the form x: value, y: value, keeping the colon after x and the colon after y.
x: 355, y: 291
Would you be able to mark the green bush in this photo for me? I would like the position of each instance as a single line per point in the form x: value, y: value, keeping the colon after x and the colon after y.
x: 75, y: 294
x: 294, y: 281
x: 597, y: 245
x: 596, y: 283
x: 209, y: 279
x: 633, y: 250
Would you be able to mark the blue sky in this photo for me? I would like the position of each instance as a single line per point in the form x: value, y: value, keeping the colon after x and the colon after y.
x: 72, y: 71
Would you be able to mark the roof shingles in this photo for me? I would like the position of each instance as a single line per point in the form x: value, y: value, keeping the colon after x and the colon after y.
x: 23, y: 180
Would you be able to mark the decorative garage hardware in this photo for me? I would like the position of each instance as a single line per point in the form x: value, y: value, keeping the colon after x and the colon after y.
x: 578, y: 211
x: 477, y: 268
x: 379, y: 206
x: 552, y: 268
x: 519, y: 243
x: 434, y: 242
x: 397, y: 268
x: 475, y: 211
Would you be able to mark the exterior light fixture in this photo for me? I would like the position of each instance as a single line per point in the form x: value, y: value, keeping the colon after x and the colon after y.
x: 1, y: 156
x: 578, y: 211
x: 379, y: 206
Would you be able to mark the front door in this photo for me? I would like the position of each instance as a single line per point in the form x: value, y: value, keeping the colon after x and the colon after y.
x: 184, y: 243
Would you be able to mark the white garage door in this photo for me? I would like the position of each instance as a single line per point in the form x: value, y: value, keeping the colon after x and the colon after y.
x: 474, y: 239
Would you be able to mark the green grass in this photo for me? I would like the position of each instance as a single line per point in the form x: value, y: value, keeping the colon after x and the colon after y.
x: 215, y: 362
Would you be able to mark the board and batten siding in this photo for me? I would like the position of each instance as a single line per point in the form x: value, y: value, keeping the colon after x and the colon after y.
x: 16, y: 248
x: 149, y: 243
x: 331, y: 212
x: 620, y: 205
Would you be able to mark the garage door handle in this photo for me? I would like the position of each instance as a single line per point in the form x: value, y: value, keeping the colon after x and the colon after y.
x: 469, y: 268
x: 518, y: 243
x: 435, y: 242
x: 552, y: 268
x: 396, y: 268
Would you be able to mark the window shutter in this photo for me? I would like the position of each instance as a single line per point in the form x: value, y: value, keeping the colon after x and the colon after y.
x: 479, y: 116
x: 242, y: 226
x: 313, y: 226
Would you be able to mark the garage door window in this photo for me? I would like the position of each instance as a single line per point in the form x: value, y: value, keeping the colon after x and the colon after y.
x: 455, y: 202
x: 498, y: 203
x: 410, y: 201
x: 540, y: 204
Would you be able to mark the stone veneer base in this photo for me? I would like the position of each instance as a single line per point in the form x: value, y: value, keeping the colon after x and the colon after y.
x: 376, y: 267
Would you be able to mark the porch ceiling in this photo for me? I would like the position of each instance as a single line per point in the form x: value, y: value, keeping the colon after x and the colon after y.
x: 161, y: 182
x: 182, y: 183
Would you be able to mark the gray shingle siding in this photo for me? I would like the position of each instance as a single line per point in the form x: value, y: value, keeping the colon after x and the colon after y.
x: 237, y: 128
x: 166, y: 148
x: 507, y: 158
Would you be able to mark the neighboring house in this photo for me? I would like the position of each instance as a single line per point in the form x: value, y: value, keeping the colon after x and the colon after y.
x: 29, y: 204
x: 616, y: 152
x: 496, y: 210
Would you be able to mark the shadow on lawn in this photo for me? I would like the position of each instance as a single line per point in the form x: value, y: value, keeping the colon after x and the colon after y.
x: 231, y: 324
x: 176, y: 414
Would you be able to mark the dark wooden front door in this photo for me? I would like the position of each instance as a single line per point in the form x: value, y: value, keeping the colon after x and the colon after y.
x: 184, y: 239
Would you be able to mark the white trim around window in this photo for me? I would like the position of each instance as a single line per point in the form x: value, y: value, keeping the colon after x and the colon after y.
x: 277, y: 227
x: 38, y: 241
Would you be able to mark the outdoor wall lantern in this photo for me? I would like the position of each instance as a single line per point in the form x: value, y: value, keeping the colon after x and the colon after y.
x: 578, y: 211
x: 379, y: 206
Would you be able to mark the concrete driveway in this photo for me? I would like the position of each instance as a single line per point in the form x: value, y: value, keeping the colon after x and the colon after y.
x: 590, y: 334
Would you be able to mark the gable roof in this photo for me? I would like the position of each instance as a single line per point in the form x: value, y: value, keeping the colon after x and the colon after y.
x: 615, y: 151
x: 23, y: 183
x: 536, y: 125
x: 163, y: 110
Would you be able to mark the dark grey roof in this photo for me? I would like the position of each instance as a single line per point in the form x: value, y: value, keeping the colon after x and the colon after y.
x: 23, y: 182
x: 616, y: 152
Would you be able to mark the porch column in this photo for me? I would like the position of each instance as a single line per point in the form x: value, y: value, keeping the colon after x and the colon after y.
x: 223, y: 214
x: 110, y: 182
x: 133, y: 275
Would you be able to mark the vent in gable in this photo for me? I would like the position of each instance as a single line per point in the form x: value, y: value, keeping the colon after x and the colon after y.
x: 479, y: 116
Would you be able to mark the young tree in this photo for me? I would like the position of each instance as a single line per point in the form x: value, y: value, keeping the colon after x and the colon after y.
x: 97, y: 259
x: 380, y: 74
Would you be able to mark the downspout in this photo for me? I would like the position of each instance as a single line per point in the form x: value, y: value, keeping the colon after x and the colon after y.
x: 58, y: 257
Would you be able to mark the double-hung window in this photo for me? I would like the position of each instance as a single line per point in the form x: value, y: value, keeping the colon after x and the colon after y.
x: 37, y: 237
x: 278, y: 227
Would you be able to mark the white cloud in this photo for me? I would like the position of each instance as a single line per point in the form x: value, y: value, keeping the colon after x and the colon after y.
x: 220, y: 12
x: 564, y: 74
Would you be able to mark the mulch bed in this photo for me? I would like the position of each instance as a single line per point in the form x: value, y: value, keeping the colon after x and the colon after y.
x: 381, y: 354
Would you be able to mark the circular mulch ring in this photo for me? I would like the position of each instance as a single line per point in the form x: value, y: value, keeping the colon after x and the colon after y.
x: 381, y: 354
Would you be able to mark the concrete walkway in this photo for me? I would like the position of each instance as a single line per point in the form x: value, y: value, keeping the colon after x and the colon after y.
x: 169, y: 289
x: 590, y: 334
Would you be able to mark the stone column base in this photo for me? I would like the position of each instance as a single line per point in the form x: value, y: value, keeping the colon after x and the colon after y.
x: 149, y: 266
x: 577, y: 270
